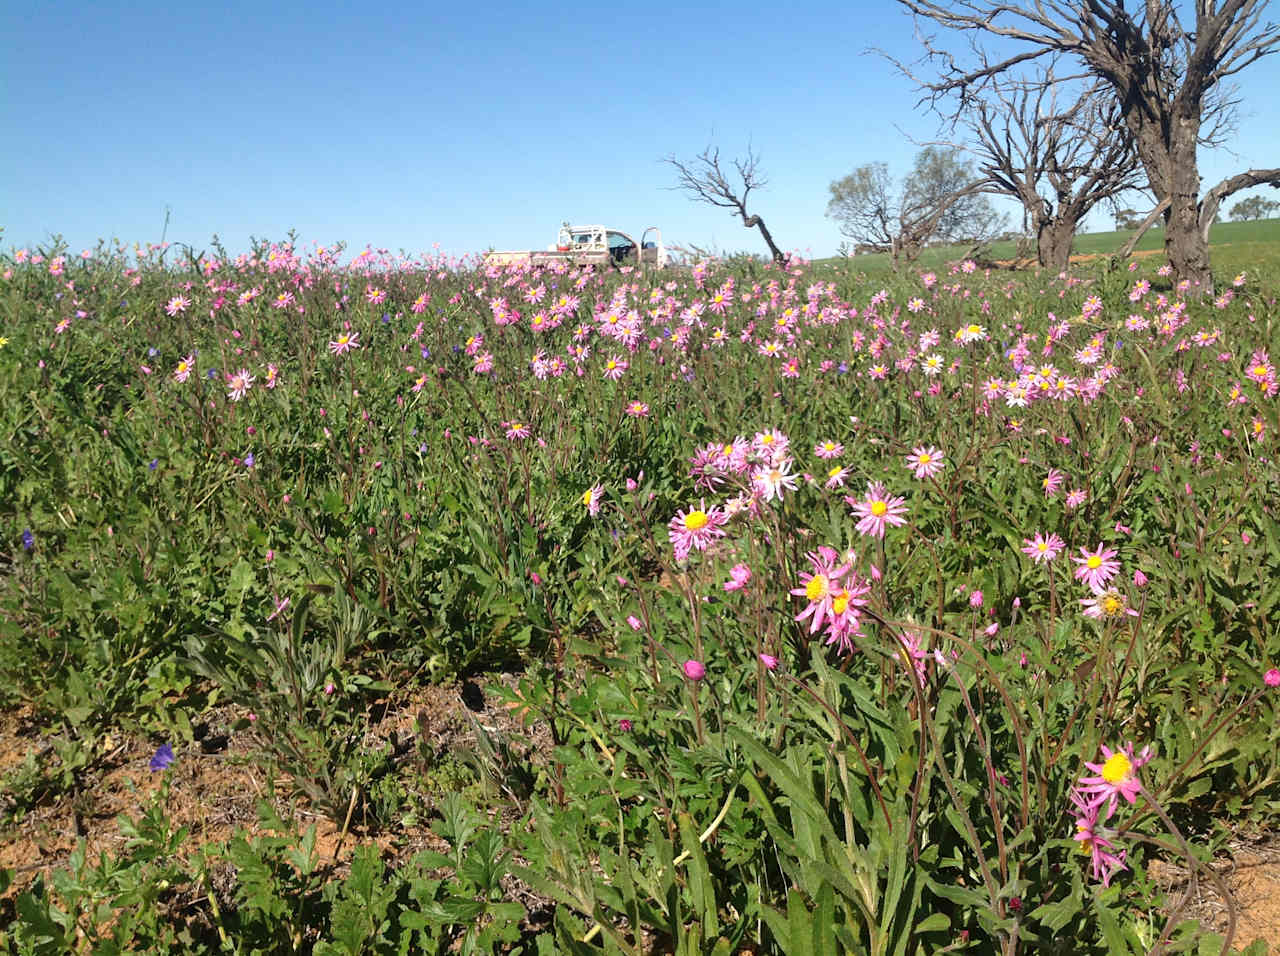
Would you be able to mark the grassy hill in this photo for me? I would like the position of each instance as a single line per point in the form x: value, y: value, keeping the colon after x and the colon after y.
x: 1236, y: 246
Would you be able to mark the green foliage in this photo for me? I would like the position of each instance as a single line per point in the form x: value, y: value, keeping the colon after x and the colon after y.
x: 904, y: 786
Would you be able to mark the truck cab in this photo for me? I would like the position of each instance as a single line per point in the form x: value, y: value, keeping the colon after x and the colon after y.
x: 598, y: 243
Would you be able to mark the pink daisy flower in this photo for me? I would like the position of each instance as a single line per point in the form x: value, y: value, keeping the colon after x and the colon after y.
x: 877, y: 510
x: 828, y: 449
x: 771, y: 445
x: 591, y: 499
x: 183, y: 371
x: 770, y: 481
x: 1107, y: 604
x: 836, y: 477
x: 820, y: 586
x: 1104, y: 862
x: 926, y: 462
x: 695, y: 529
x: 1052, y: 482
x: 345, y: 342
x: 1096, y: 568
x: 515, y: 430
x: 614, y: 366
x: 238, y: 384
x: 1116, y: 777
x: 739, y: 578
x: 1041, y: 549
x: 846, y: 612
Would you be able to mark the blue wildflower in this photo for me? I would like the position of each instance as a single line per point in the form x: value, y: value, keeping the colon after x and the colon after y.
x: 153, y: 464
x: 28, y: 539
x: 162, y: 758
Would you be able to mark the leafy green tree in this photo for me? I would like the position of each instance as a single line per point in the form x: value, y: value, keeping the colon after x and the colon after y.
x: 1255, y: 207
x: 942, y: 199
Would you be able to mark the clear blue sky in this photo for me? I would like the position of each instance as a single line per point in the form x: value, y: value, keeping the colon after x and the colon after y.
x: 407, y: 125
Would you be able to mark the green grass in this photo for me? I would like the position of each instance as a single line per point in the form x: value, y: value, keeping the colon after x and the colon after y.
x: 1236, y: 246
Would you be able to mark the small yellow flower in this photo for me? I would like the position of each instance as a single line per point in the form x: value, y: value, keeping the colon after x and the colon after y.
x: 3, y: 341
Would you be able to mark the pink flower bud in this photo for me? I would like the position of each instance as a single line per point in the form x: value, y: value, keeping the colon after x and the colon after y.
x: 694, y: 670
x: 329, y: 689
x: 769, y: 661
x: 1272, y: 678
x: 1139, y: 579
x: 975, y: 599
x: 624, y: 725
x: 634, y: 622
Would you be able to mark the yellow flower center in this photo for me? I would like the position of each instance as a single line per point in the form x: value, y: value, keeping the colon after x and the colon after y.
x: 1260, y: 370
x: 586, y: 497
x: 816, y: 589
x: 841, y: 602
x: 1042, y: 546
x: 878, y: 508
x: 1094, y: 562
x: 516, y: 426
x: 925, y: 459
x: 766, y: 440
x: 834, y: 471
x: 1117, y: 769
x: 1112, y: 605
x: 695, y: 520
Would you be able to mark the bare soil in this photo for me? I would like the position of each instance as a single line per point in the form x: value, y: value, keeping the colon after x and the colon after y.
x: 216, y: 783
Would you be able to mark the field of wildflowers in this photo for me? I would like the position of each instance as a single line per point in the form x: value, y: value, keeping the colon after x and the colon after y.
x: 902, y: 615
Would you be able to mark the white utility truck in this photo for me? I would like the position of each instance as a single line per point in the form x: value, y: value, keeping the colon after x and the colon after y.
x: 591, y: 245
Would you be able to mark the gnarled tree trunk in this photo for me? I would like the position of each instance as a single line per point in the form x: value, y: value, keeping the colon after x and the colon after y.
x: 1053, y: 243
x: 1186, y: 248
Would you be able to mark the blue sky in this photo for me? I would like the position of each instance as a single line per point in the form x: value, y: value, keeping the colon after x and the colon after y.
x: 406, y: 125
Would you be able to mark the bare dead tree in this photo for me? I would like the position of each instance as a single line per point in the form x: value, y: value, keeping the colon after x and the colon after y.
x: 1162, y: 74
x: 705, y: 180
x: 1058, y: 160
